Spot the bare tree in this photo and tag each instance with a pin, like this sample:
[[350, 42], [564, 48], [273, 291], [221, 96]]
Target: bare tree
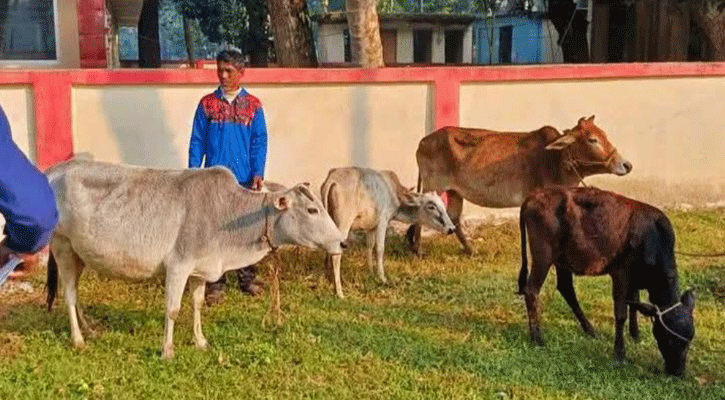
[[366, 46]]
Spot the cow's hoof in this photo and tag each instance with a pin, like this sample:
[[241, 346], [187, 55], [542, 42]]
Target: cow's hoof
[[537, 340], [167, 352], [79, 344], [202, 345], [589, 331]]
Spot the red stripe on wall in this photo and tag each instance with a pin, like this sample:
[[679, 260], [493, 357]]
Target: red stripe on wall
[[53, 124]]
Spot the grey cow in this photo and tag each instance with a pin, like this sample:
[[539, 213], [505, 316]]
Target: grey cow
[[367, 200], [136, 223]]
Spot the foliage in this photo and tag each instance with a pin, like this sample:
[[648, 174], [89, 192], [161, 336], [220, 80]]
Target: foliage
[[447, 326], [241, 23]]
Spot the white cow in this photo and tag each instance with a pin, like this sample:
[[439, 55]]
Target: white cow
[[136, 223], [367, 200]]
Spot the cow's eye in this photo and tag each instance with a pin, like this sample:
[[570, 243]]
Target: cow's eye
[[431, 207], [593, 140], [312, 210]]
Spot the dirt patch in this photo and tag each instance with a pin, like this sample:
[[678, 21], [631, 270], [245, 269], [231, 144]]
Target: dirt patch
[[11, 344]]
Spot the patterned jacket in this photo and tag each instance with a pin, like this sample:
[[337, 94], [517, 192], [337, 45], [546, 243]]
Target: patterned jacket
[[232, 135]]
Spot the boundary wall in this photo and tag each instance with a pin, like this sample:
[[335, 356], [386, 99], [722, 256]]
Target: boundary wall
[[666, 118]]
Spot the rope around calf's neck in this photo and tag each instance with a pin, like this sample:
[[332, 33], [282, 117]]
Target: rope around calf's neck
[[659, 315]]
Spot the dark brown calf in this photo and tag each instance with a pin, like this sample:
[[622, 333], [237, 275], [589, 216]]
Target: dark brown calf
[[587, 231]]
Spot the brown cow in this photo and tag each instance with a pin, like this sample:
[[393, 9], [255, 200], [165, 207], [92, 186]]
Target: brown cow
[[587, 231], [499, 169]]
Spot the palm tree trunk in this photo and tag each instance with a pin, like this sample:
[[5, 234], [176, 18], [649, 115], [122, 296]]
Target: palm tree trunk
[[365, 44]]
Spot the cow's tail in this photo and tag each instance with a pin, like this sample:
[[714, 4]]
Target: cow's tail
[[524, 272], [52, 281]]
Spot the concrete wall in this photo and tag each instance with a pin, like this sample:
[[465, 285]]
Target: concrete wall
[[311, 128], [669, 128], [17, 102], [665, 118]]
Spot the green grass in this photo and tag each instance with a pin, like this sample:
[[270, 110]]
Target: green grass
[[447, 326]]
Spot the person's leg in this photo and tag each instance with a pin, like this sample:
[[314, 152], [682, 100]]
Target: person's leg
[[246, 279], [215, 291]]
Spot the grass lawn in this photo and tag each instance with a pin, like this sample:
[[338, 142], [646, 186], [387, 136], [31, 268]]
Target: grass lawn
[[446, 326]]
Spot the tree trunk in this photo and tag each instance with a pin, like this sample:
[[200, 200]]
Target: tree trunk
[[149, 51], [292, 33], [712, 21], [571, 25], [189, 41], [258, 37], [365, 44]]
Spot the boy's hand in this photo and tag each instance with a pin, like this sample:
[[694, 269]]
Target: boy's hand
[[257, 183]]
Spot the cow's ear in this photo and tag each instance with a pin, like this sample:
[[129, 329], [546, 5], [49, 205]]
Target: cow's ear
[[281, 203], [409, 199], [562, 142], [643, 308], [591, 119]]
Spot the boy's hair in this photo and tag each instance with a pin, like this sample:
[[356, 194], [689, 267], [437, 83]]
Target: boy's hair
[[231, 56]]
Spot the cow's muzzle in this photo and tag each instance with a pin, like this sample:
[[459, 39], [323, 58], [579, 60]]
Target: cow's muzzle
[[620, 166]]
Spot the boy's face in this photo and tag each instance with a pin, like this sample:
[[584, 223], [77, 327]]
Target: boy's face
[[230, 78]]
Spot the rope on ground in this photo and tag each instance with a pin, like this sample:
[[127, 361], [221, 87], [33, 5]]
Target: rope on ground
[[274, 317]]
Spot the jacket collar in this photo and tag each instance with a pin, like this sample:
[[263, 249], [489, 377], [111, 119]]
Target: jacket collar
[[220, 93]]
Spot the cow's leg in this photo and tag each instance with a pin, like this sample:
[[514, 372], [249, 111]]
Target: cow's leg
[[541, 260], [70, 268], [380, 250], [633, 323], [455, 209], [619, 288], [336, 261], [197, 286], [413, 235], [565, 285], [175, 282], [370, 246]]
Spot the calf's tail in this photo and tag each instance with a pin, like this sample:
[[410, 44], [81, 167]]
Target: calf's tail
[[523, 274], [52, 281]]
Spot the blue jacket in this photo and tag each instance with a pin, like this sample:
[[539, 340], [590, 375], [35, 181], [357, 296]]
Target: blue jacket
[[26, 200], [233, 135]]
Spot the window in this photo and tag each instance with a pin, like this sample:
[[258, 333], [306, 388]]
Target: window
[[422, 45], [505, 36], [27, 30]]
